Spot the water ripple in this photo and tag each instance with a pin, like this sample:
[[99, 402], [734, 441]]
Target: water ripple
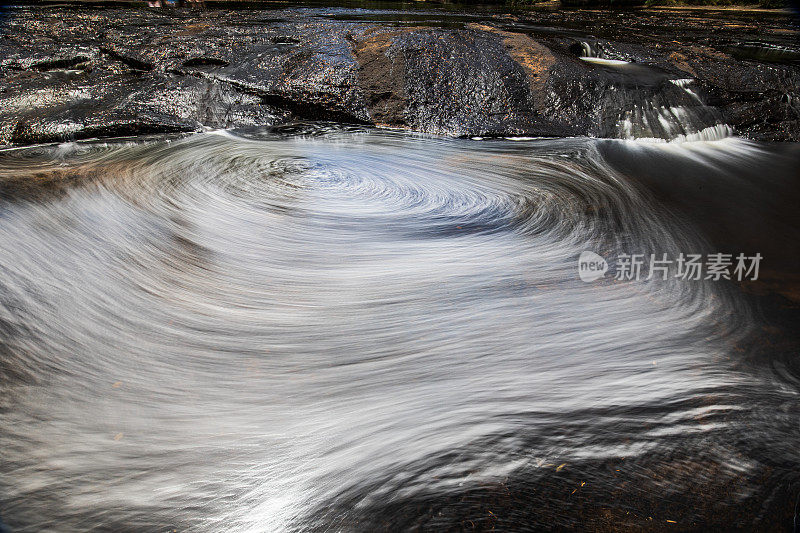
[[334, 328]]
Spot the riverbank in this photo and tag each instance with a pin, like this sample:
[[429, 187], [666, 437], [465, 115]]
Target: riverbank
[[73, 73]]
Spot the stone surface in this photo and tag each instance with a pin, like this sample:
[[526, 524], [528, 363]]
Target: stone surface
[[72, 73]]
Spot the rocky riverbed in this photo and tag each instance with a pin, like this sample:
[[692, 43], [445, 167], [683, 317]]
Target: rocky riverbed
[[74, 73]]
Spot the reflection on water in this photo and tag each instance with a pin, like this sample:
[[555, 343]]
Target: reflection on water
[[355, 330]]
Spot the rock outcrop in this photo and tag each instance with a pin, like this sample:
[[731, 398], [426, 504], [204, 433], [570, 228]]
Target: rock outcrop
[[72, 73]]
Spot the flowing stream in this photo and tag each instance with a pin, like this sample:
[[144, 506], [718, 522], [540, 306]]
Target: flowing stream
[[325, 328]]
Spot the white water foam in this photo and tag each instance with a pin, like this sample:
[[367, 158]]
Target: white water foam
[[717, 132], [603, 61]]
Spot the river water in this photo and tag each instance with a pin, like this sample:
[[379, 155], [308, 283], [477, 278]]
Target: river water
[[321, 328]]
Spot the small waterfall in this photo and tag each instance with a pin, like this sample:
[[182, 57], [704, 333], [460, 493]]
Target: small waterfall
[[676, 113], [584, 49], [644, 102]]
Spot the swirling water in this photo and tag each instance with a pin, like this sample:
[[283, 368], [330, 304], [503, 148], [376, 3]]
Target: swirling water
[[353, 330]]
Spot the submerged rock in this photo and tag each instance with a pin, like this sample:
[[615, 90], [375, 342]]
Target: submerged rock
[[70, 73]]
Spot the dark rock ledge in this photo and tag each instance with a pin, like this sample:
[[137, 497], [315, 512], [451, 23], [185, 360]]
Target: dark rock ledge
[[81, 73]]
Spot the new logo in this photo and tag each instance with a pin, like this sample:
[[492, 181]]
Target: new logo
[[591, 266]]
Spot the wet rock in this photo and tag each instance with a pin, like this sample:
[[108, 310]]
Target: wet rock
[[128, 60], [312, 74], [103, 104], [458, 82], [473, 81], [77, 73], [205, 62], [96, 104], [773, 116]]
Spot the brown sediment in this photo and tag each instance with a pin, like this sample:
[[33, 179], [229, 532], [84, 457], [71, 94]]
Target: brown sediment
[[739, 9], [682, 62], [533, 57], [193, 29], [45, 183], [381, 77], [784, 31]]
